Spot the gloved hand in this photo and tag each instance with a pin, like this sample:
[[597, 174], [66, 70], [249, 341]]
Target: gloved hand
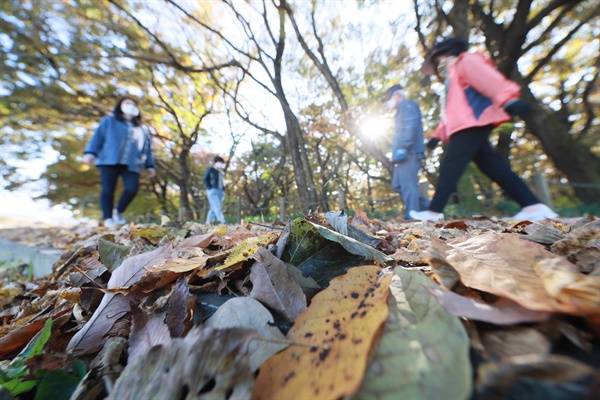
[[399, 155], [517, 108], [151, 172], [89, 158], [431, 144]]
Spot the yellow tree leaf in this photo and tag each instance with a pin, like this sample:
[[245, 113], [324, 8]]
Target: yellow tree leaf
[[342, 322], [248, 247]]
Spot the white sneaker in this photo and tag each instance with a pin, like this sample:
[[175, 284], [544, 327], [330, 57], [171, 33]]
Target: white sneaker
[[118, 218], [542, 212], [425, 215], [109, 223]]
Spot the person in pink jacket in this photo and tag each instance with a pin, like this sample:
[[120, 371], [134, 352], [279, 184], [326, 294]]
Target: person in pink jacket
[[477, 98]]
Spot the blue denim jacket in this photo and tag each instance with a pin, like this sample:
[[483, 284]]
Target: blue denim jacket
[[110, 138], [408, 133]]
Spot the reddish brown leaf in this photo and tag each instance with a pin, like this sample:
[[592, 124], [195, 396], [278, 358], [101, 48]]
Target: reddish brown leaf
[[196, 241], [19, 337], [180, 309], [273, 286]]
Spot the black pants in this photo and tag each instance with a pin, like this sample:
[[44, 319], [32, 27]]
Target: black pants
[[109, 174], [473, 145]]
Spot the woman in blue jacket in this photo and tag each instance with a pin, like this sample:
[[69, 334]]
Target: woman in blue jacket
[[120, 147]]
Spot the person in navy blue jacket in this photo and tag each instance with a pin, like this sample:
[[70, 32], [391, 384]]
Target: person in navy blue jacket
[[407, 149], [120, 147], [215, 189]]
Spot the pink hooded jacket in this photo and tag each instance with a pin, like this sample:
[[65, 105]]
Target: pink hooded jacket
[[475, 96]]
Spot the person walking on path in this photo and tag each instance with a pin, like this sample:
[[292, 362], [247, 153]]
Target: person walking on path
[[407, 149], [120, 147], [476, 99], [215, 189]]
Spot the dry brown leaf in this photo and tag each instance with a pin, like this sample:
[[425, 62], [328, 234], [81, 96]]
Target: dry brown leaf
[[146, 332], [538, 233], [113, 306], [273, 286], [244, 312], [207, 364], [19, 337], [520, 341], [180, 309], [582, 246], [342, 324], [506, 265], [570, 287], [196, 241], [501, 313], [552, 377]]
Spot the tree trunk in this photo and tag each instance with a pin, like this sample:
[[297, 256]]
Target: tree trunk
[[302, 170], [573, 158], [184, 188]]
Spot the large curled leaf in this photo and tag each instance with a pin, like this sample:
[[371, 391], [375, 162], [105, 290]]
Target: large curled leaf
[[525, 272], [337, 332], [114, 305], [352, 245], [315, 256], [244, 312], [423, 352], [207, 364]]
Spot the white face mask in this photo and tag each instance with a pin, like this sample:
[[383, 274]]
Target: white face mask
[[130, 109], [391, 104], [219, 165]]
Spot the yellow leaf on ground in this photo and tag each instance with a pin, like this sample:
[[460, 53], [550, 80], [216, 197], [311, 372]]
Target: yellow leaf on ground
[[342, 322], [248, 247], [220, 230]]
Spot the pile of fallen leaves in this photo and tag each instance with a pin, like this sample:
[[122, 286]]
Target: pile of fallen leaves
[[324, 307]]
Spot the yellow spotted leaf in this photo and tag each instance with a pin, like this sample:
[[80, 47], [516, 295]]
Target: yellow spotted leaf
[[342, 322], [246, 248]]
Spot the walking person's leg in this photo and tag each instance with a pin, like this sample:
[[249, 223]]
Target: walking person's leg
[[406, 182], [460, 151], [108, 181], [213, 201], [131, 185], [498, 170], [219, 211]]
